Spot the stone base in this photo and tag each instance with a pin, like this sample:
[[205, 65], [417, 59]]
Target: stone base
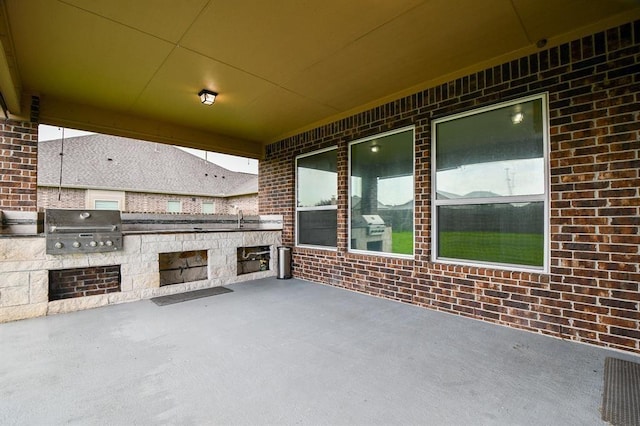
[[24, 269]]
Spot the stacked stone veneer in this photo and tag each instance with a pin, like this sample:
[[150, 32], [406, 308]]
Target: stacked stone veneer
[[80, 282], [591, 292], [24, 269]]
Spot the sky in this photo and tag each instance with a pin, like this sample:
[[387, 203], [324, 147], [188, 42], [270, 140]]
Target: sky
[[230, 162], [320, 185], [509, 177]]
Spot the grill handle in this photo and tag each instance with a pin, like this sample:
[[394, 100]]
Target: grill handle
[[56, 228]]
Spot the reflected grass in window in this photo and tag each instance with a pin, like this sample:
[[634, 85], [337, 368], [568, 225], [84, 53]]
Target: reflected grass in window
[[402, 242], [495, 247]]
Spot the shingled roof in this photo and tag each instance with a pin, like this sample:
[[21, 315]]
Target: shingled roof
[[122, 164]]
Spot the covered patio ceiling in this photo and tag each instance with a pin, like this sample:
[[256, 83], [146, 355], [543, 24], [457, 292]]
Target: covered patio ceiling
[[134, 68]]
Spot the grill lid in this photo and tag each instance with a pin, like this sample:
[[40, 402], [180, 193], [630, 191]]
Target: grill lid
[[82, 231], [73, 221]]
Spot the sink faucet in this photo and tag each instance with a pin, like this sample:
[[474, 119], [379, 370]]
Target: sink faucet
[[240, 219]]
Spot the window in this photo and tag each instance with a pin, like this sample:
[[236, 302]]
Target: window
[[490, 179], [381, 192], [105, 200], [316, 199], [106, 205], [174, 207], [207, 208]]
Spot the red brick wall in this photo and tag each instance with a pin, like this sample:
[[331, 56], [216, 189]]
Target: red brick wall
[[591, 293], [18, 165], [69, 283]]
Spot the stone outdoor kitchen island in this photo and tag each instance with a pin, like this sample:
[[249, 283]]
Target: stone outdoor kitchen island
[[27, 272]]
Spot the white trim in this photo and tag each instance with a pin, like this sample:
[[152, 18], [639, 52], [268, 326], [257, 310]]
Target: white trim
[[313, 209], [490, 265], [545, 197], [490, 200], [412, 128], [383, 254], [310, 246], [320, 151]]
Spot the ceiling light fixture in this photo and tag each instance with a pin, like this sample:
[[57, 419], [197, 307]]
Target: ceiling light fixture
[[517, 118], [207, 97]]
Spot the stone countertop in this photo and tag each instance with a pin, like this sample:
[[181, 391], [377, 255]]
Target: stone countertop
[[157, 231], [193, 230]]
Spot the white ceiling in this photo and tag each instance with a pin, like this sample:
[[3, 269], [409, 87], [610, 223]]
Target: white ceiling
[[134, 68]]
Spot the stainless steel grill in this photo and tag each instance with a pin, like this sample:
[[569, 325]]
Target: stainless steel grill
[[374, 224], [82, 231]]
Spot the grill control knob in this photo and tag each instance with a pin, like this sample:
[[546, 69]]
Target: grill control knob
[[76, 244], [58, 245], [109, 243], [93, 244]]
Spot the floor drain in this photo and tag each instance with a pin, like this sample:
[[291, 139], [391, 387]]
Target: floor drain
[[621, 395], [189, 295]]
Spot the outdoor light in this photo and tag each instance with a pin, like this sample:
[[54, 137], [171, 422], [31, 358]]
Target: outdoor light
[[517, 118], [375, 148], [207, 97]]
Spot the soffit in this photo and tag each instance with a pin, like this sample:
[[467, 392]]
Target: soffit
[[133, 68]]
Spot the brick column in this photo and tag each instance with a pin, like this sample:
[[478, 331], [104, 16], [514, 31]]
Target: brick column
[[18, 164]]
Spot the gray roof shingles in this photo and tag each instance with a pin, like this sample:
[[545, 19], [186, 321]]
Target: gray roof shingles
[[116, 163]]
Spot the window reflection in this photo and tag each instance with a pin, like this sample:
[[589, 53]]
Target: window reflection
[[317, 180], [492, 154], [490, 185], [381, 194], [316, 199]]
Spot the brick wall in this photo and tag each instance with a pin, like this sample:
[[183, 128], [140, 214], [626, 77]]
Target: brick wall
[[247, 203], [591, 293], [70, 198], [70, 283], [139, 202], [157, 203], [18, 165]]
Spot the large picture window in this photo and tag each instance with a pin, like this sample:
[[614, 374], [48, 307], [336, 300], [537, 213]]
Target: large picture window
[[490, 179], [381, 194], [316, 199]]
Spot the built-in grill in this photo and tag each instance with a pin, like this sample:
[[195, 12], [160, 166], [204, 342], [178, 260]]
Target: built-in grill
[[82, 231], [374, 224]]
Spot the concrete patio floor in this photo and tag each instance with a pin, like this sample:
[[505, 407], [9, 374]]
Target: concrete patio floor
[[291, 352]]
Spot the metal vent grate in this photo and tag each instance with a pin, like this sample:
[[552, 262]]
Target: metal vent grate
[[190, 295], [621, 395]]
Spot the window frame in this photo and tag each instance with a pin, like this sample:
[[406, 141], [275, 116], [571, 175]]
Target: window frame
[[96, 201], [174, 201], [208, 203], [313, 208], [544, 198], [411, 256], [93, 195]]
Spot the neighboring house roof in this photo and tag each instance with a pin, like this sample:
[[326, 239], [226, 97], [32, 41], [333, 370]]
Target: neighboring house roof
[[122, 164]]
